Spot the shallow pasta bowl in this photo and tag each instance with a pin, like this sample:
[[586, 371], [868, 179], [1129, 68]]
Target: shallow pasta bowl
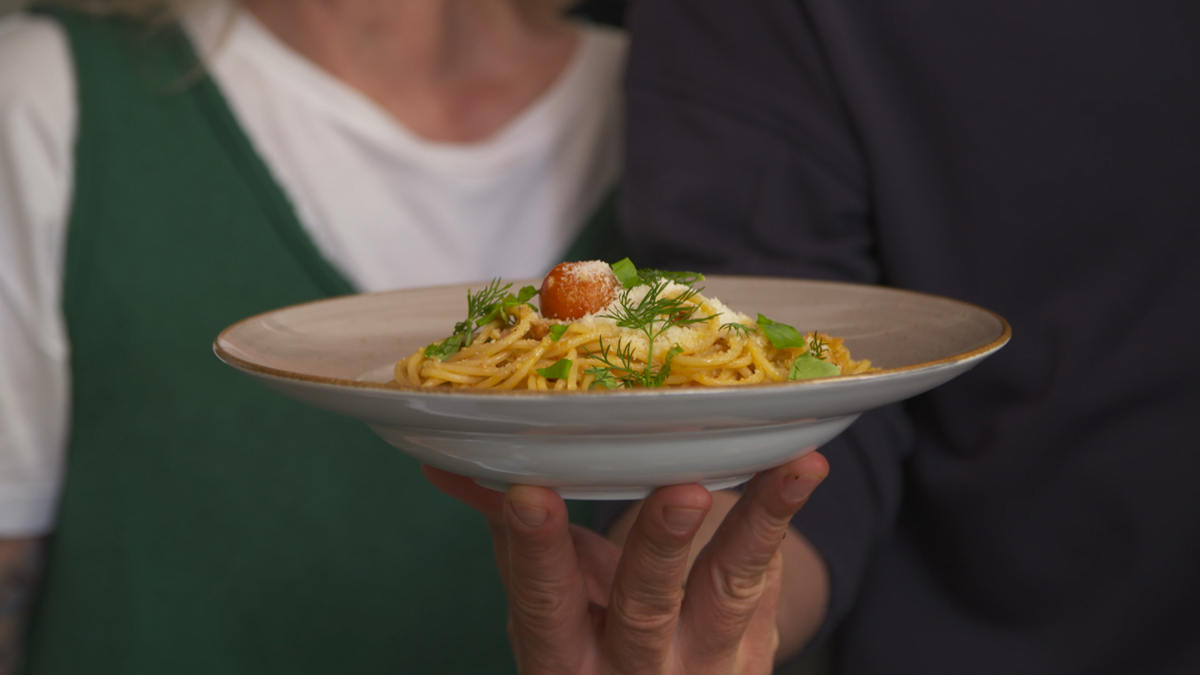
[[338, 355]]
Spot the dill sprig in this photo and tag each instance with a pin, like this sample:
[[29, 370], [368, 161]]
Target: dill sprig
[[737, 328], [814, 362], [624, 372], [652, 315], [818, 347], [484, 307]]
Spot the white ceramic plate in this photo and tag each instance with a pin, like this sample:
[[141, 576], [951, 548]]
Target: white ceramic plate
[[338, 355]]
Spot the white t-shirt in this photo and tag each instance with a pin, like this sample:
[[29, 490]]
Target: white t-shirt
[[388, 208]]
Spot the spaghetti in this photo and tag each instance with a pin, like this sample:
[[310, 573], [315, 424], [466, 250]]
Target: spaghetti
[[658, 330]]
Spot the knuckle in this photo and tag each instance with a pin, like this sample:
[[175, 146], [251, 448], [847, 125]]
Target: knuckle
[[539, 607], [740, 588], [644, 615], [768, 532], [665, 551]]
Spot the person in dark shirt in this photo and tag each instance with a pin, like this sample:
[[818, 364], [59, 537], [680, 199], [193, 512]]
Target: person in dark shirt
[[1040, 159]]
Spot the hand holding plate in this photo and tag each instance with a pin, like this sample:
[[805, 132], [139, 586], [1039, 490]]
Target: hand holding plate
[[579, 604]]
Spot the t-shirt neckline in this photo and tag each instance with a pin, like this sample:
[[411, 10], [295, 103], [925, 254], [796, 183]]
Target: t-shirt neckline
[[241, 34]]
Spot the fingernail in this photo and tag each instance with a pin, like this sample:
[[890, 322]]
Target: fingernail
[[528, 514], [797, 487], [680, 520]]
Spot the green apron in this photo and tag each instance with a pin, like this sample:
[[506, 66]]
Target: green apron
[[209, 525]]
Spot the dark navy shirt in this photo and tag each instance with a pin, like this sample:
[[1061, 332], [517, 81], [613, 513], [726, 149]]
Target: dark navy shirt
[[1040, 158]]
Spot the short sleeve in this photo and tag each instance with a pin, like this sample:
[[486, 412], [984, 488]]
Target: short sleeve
[[37, 129]]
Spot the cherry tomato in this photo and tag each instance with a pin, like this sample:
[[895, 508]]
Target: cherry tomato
[[573, 290]]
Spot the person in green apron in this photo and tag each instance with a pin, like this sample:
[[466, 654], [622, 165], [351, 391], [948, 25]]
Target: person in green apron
[[223, 162]]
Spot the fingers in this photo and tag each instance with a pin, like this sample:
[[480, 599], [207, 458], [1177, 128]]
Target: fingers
[[598, 558], [553, 571], [647, 592], [729, 578], [550, 624], [761, 639]]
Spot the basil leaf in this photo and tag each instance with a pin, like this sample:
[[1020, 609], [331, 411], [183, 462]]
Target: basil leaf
[[626, 272], [492, 314], [781, 335], [560, 369], [557, 331], [497, 309], [526, 294], [446, 348], [649, 276], [660, 377], [807, 367]]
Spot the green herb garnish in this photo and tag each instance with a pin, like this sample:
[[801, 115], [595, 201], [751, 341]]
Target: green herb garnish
[[807, 367], [649, 276], [623, 373], [781, 335], [737, 328], [817, 347], [558, 371], [652, 316], [626, 272], [557, 331], [500, 308], [446, 348], [483, 307], [655, 313], [629, 275], [604, 375], [612, 375]]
